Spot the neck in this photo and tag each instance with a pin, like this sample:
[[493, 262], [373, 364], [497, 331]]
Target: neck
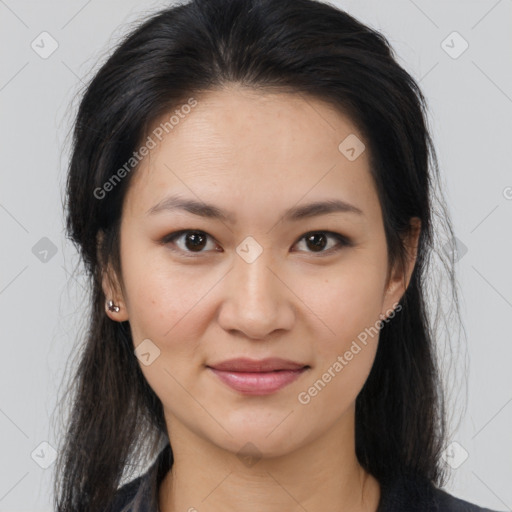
[[321, 475]]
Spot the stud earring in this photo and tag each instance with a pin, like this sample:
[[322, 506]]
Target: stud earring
[[112, 307]]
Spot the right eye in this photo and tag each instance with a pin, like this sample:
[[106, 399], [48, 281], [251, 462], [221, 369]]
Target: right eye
[[189, 241]]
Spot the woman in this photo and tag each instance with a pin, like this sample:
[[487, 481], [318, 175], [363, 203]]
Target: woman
[[251, 191]]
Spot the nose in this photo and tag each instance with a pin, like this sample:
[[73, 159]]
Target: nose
[[257, 300]]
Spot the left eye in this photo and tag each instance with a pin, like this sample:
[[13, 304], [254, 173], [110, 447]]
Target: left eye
[[317, 240], [194, 241]]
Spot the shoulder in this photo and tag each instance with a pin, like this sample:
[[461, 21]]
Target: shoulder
[[445, 501], [410, 494], [141, 494], [127, 497]]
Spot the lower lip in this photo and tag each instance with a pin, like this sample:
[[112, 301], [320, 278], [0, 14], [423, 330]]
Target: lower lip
[[261, 383]]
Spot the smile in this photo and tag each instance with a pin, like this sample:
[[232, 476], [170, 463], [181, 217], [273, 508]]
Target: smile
[[258, 383]]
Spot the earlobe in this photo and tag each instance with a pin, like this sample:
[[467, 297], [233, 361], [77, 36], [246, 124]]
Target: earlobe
[[115, 307], [115, 311], [396, 287], [401, 275], [412, 244]]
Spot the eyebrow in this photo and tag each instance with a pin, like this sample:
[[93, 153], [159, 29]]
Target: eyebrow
[[213, 212]]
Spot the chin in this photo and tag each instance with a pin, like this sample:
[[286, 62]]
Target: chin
[[260, 439]]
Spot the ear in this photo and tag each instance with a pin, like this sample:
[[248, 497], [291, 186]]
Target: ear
[[399, 277], [111, 287]]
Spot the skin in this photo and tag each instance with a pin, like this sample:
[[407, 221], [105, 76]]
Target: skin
[[256, 155]]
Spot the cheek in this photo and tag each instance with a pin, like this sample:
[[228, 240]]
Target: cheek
[[348, 306], [345, 303], [359, 296], [165, 308], [161, 301]]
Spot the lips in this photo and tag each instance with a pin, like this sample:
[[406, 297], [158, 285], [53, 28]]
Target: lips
[[253, 365], [257, 377]]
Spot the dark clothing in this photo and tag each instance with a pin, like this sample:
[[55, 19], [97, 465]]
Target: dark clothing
[[400, 495]]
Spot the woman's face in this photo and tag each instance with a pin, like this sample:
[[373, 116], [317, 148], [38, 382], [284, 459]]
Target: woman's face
[[270, 279]]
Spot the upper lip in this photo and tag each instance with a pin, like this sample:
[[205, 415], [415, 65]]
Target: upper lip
[[257, 365]]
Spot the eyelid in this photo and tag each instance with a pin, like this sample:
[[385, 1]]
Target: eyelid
[[177, 234], [342, 241]]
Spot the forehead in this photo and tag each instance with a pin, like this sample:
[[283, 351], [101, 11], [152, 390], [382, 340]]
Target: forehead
[[239, 146]]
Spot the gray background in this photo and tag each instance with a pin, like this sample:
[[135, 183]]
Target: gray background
[[42, 301]]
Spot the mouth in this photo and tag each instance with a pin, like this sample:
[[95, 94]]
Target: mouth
[[258, 377]]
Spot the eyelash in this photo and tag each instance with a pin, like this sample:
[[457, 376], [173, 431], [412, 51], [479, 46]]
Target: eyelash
[[342, 241]]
